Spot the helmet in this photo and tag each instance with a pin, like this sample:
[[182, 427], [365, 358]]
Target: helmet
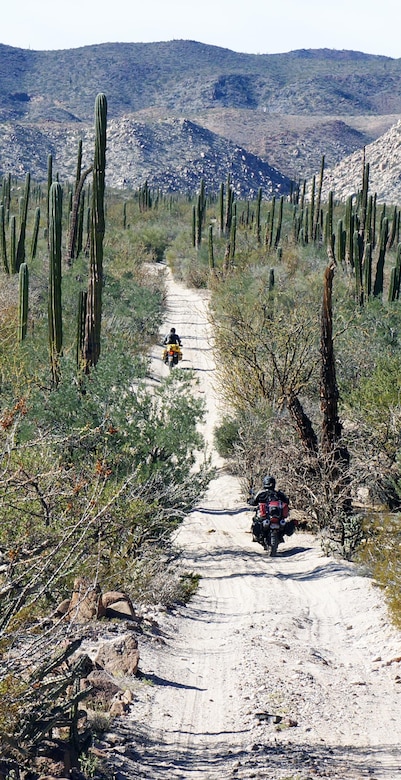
[[172, 330], [269, 482]]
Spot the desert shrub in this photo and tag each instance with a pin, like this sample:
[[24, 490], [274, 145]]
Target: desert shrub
[[380, 555], [96, 474], [226, 436]]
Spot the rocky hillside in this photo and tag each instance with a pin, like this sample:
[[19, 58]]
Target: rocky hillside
[[384, 158], [179, 110], [173, 155]]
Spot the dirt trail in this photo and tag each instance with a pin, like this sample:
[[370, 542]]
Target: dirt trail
[[278, 668]]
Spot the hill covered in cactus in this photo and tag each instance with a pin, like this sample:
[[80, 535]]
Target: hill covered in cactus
[[266, 111]]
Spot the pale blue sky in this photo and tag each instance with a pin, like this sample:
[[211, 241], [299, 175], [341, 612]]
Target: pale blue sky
[[258, 26]]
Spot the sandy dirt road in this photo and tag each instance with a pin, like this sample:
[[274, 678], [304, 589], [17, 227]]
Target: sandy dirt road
[[278, 668]]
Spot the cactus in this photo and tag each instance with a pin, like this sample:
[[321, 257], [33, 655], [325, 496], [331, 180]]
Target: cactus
[[72, 250], [305, 229], [358, 242], [193, 226], [341, 237], [233, 236], [258, 207], [394, 289], [13, 245], [364, 198], [379, 278], [210, 248], [315, 235], [54, 302], [279, 222], [94, 301], [303, 195], [269, 231], [398, 271], [368, 223], [3, 243], [6, 195], [144, 196], [329, 235], [35, 233], [221, 208], [229, 207], [393, 285], [349, 231], [49, 184], [23, 301], [80, 230], [79, 164], [20, 255], [199, 222], [271, 280], [82, 305], [311, 226], [367, 271], [393, 231]]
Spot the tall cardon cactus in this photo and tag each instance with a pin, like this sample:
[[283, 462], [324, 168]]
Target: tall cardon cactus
[[54, 302], [20, 256], [23, 301], [3, 243], [94, 301]]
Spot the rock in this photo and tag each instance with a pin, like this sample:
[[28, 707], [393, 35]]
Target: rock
[[120, 609], [104, 688], [86, 603], [127, 697], [63, 607], [119, 657], [112, 596], [118, 708]]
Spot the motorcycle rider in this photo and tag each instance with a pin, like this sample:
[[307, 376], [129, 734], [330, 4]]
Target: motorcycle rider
[[268, 493], [171, 338]]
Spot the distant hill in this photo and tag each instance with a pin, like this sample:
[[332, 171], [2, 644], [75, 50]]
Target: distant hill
[[173, 155], [286, 109], [384, 158], [186, 76]]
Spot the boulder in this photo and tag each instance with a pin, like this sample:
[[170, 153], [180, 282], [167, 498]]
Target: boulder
[[62, 608], [117, 708], [86, 601], [103, 687], [121, 609], [119, 657]]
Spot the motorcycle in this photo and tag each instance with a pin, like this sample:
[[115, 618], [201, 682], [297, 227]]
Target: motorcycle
[[172, 354], [267, 529]]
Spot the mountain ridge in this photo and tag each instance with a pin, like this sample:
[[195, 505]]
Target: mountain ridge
[[286, 109]]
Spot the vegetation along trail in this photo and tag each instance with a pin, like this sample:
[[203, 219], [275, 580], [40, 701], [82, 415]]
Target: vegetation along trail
[[281, 668]]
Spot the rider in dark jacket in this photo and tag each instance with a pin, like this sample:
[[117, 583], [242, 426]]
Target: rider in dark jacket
[[267, 493], [172, 338]]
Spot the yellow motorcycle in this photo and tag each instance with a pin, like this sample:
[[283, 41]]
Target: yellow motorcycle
[[172, 355]]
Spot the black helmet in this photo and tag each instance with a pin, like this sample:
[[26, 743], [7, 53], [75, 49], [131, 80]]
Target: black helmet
[[172, 330], [269, 483]]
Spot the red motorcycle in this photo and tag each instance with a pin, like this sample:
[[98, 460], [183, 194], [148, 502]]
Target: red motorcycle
[[269, 525]]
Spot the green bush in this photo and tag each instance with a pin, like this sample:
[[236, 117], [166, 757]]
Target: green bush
[[226, 436]]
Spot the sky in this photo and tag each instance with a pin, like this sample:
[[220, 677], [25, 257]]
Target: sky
[[251, 26]]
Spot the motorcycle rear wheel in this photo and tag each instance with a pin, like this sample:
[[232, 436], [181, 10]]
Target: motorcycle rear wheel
[[274, 541]]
